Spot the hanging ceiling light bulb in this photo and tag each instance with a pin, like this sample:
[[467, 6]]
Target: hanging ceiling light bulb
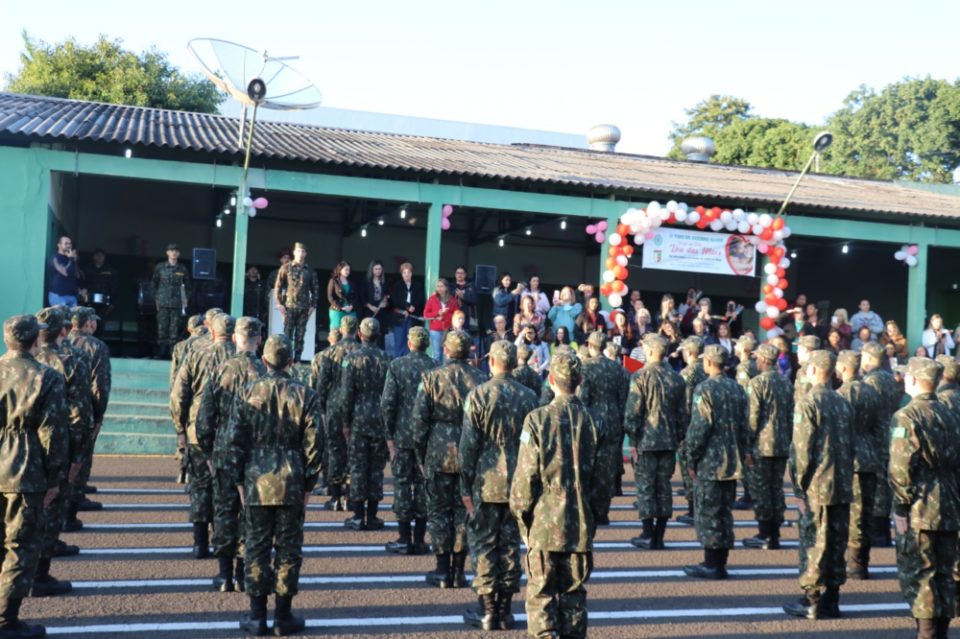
[[500, 242], [563, 224], [363, 231], [528, 231], [403, 213], [380, 221], [219, 222], [845, 249]]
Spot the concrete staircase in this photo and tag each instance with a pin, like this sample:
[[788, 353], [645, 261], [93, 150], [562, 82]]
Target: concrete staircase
[[138, 416]]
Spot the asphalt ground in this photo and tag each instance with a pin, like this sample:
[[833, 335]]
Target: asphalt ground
[[135, 577]]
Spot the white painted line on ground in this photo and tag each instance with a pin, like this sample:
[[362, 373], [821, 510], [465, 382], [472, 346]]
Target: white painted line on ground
[[137, 491], [442, 620]]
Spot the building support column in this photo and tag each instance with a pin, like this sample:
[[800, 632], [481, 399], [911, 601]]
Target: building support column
[[240, 229], [431, 263], [917, 297]]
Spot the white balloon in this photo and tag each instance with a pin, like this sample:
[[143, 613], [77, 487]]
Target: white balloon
[[716, 225], [681, 215], [786, 232], [778, 236], [608, 276], [615, 299], [757, 229], [765, 220], [772, 279], [738, 214], [682, 206], [752, 218], [623, 260], [743, 226], [773, 312], [760, 306], [638, 239], [655, 223], [731, 225], [247, 201], [911, 260], [693, 217], [784, 263], [726, 216], [672, 206], [778, 292], [900, 255], [615, 239], [770, 268], [628, 217], [252, 212]]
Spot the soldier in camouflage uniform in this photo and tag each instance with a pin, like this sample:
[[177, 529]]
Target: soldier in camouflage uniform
[[891, 395], [81, 337], [185, 399], [524, 373], [218, 401], [493, 415], [556, 493], [948, 391], [438, 420], [33, 424], [396, 411], [924, 462], [806, 345], [769, 433], [333, 338], [653, 420], [821, 467], [868, 436], [326, 378], [604, 389], [196, 327], [692, 374], [274, 458], [363, 378], [171, 284], [715, 447], [297, 291], [746, 370]]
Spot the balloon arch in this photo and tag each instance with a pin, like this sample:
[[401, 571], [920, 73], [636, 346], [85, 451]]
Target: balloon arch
[[764, 231]]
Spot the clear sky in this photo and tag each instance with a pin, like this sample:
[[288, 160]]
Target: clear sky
[[556, 65]]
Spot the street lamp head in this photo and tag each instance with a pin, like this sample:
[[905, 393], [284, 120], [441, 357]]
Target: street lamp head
[[822, 141]]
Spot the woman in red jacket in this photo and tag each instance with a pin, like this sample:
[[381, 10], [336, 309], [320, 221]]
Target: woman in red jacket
[[439, 310]]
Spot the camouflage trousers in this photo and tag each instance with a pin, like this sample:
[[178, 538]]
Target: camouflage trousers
[[269, 528], [556, 597], [688, 484], [168, 325], [336, 450], [861, 512], [201, 485], [446, 514], [367, 458], [22, 537], [613, 451], [925, 560], [495, 544], [295, 327], [52, 520], [713, 513], [766, 487], [75, 490], [883, 496], [652, 472], [409, 498], [227, 537], [823, 543]]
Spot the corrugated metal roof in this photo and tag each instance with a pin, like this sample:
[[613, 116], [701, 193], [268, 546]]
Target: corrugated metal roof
[[55, 118]]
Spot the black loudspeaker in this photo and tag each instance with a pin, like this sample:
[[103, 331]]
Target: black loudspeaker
[[204, 263], [485, 278]]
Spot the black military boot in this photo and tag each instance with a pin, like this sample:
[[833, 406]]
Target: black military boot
[[334, 503], [459, 563], [745, 502], [645, 540], [255, 622], [762, 538], [441, 577], [504, 613], [659, 530], [70, 522], [943, 627], [223, 582], [808, 606], [284, 621], [830, 603], [239, 575], [618, 486], [402, 545], [88, 505], [201, 540], [687, 517], [62, 549], [89, 490], [45, 585], [713, 566], [603, 519], [11, 626], [356, 522], [484, 616], [858, 563], [420, 546], [880, 536], [373, 522]]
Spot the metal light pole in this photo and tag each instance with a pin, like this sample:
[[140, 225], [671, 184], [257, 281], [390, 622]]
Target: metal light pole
[[820, 144]]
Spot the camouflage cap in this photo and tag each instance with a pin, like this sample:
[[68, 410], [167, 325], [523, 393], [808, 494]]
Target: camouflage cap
[[523, 353], [83, 314], [873, 349], [613, 350], [583, 352], [504, 353], [248, 326], [565, 367], [692, 344], [922, 368], [419, 337], [849, 359], [299, 245], [369, 327], [52, 317], [278, 351], [195, 322], [716, 354], [348, 323], [22, 329], [597, 340], [747, 343], [211, 313], [223, 324], [823, 360], [951, 367], [768, 352], [457, 344], [809, 342], [655, 342]]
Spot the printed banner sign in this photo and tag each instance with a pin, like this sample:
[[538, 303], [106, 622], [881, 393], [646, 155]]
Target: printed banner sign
[[700, 252]]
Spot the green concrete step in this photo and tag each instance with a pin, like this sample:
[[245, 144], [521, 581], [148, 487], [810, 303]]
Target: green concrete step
[[146, 409], [155, 381], [125, 443], [139, 395], [139, 424], [139, 366]]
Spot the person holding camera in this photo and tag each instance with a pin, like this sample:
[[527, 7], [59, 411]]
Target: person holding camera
[[64, 275]]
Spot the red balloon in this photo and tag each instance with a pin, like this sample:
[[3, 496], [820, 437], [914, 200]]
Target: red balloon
[[767, 323], [777, 223], [628, 250], [771, 300], [605, 290], [782, 304], [623, 230], [702, 223], [716, 212], [700, 210], [672, 219], [620, 273], [767, 235], [767, 289], [782, 284], [615, 251], [781, 272], [777, 252], [618, 286]]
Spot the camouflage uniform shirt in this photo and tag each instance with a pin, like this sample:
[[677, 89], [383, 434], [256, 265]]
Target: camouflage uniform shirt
[[400, 395], [770, 421], [654, 416], [821, 458], [717, 438]]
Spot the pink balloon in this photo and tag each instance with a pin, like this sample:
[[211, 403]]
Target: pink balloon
[[602, 225], [763, 247], [260, 203], [913, 249], [591, 228], [600, 236], [447, 209], [445, 224], [649, 235]]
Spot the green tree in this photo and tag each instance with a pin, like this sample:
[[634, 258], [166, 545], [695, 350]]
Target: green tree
[[764, 143], [708, 118], [910, 130], [106, 72]]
